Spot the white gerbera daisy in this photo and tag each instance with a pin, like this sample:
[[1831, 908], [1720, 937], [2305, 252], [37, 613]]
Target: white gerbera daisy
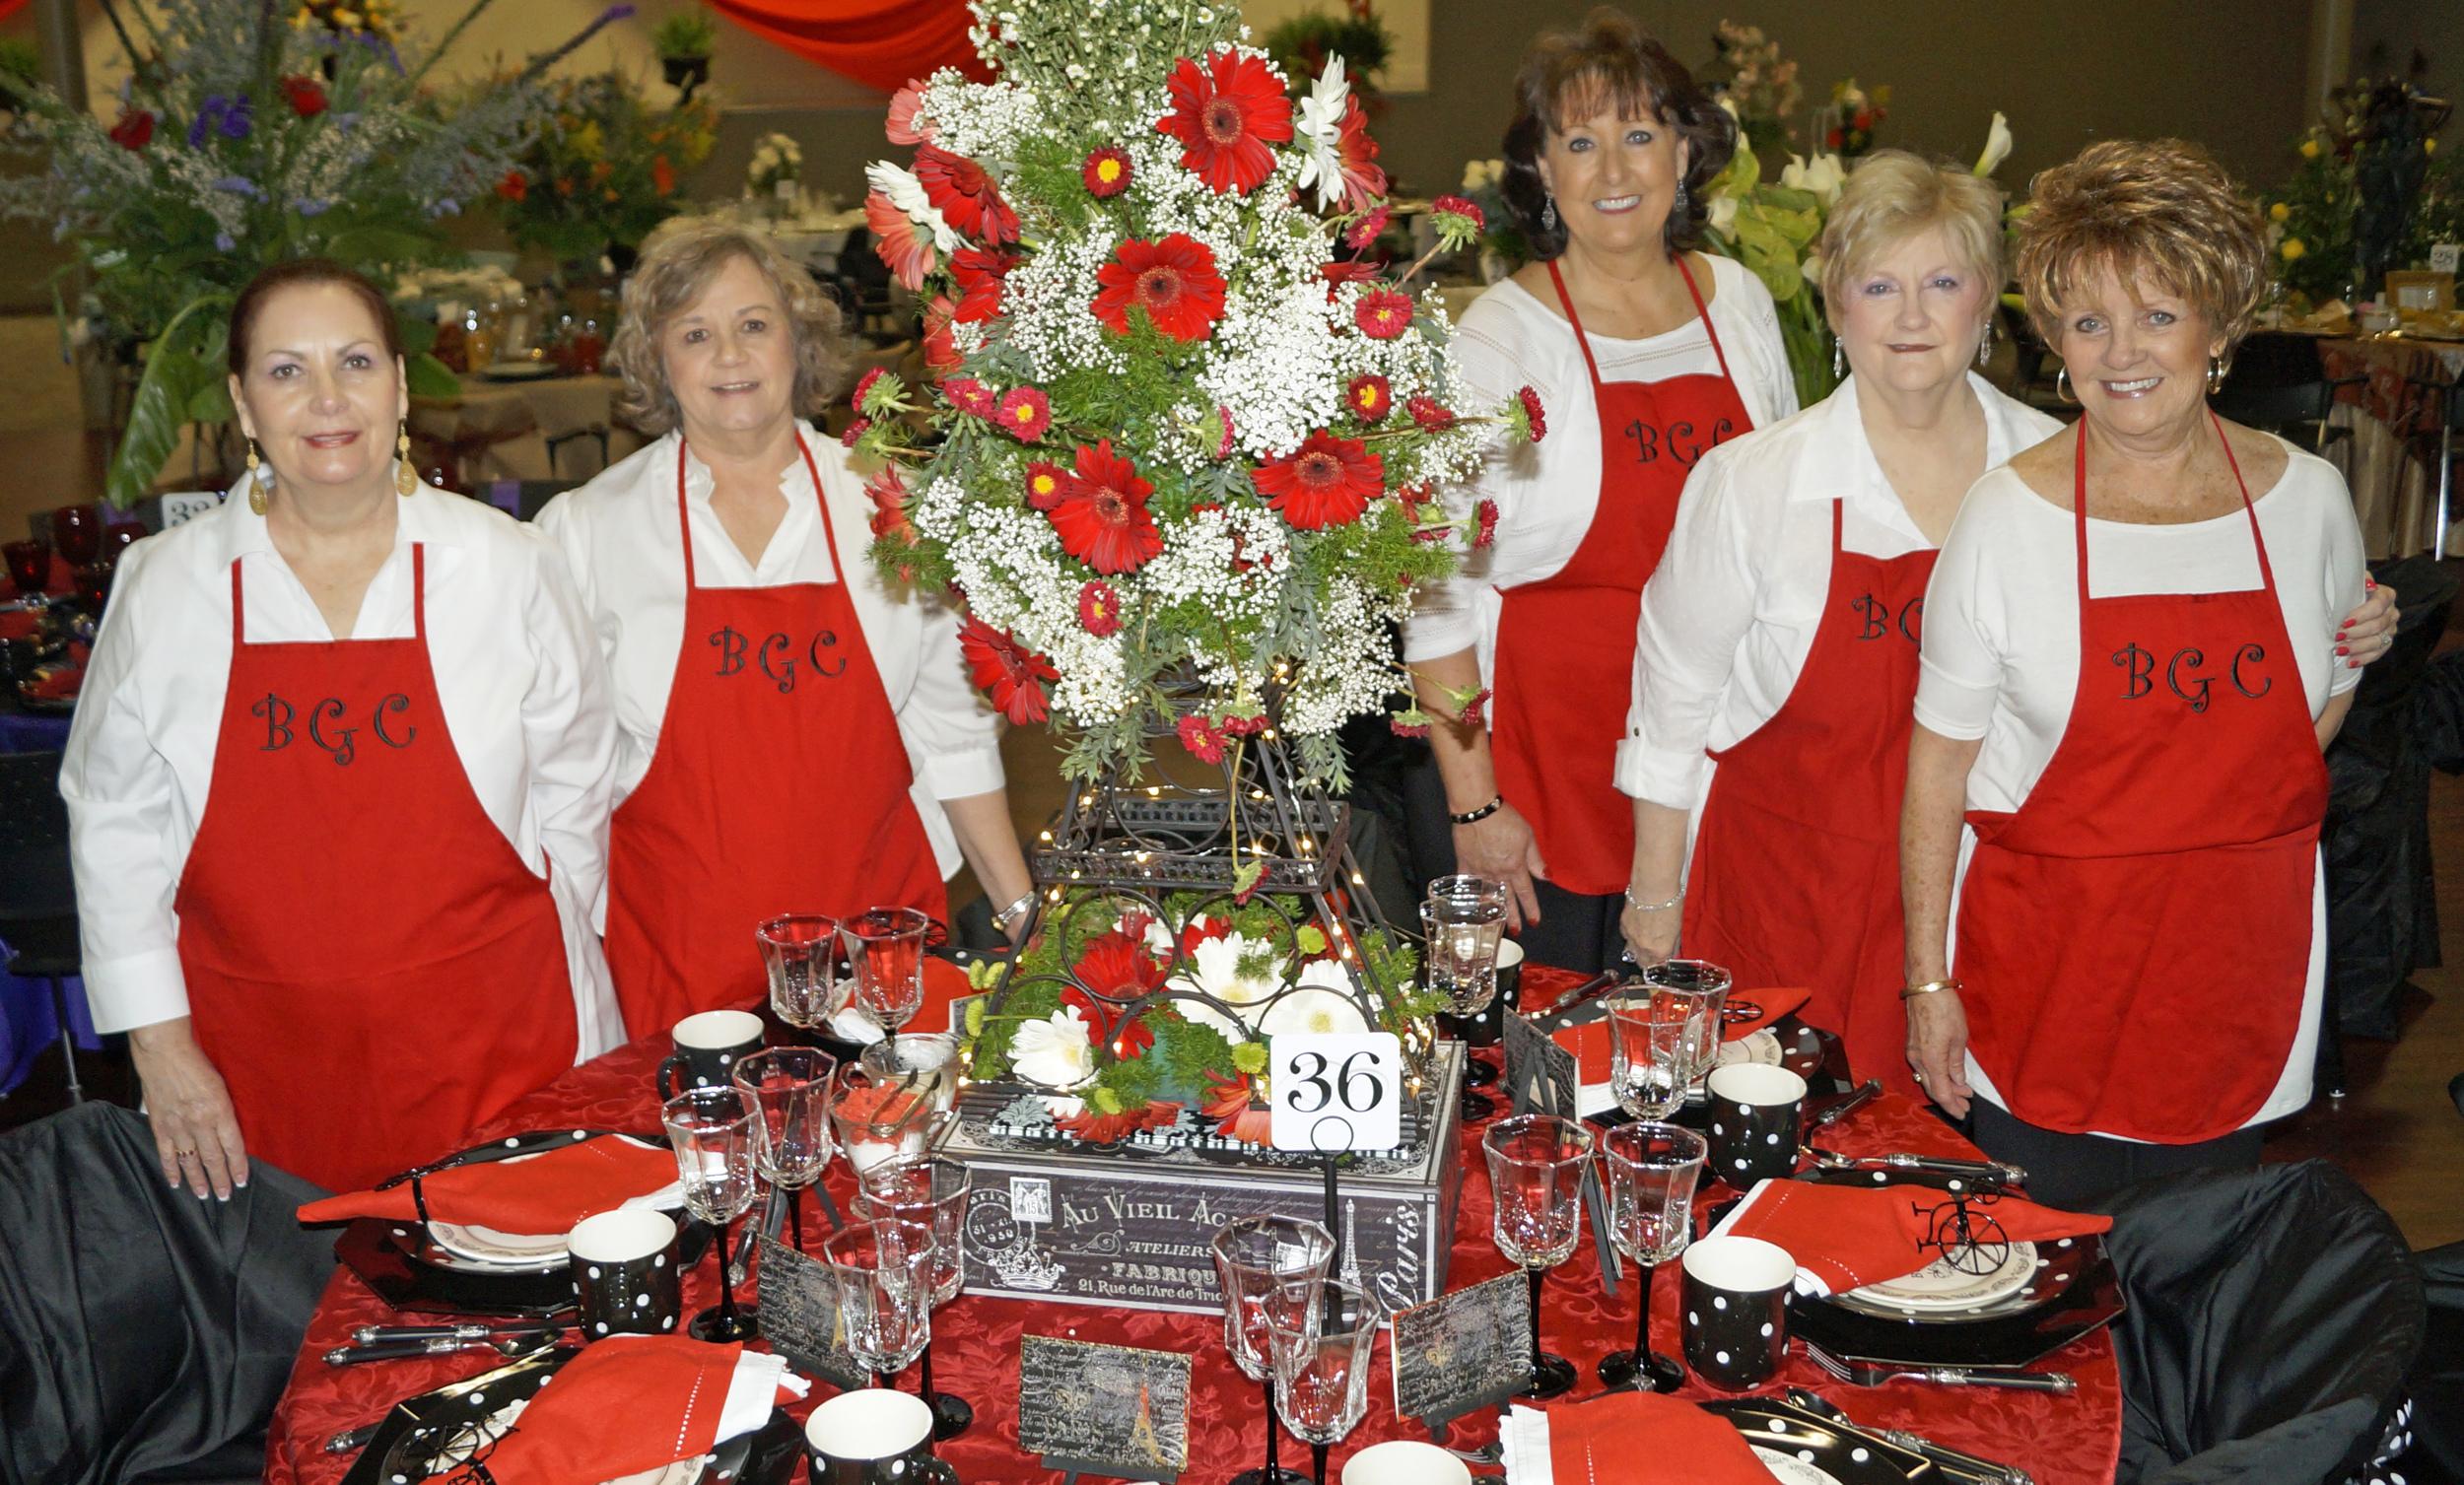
[[1318, 131], [1057, 1051]]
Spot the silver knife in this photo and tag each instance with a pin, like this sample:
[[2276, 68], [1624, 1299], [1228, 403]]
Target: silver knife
[[1964, 1463]]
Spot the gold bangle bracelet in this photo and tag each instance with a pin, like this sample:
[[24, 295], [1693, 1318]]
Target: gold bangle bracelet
[[1929, 987]]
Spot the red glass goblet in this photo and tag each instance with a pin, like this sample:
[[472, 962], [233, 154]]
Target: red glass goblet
[[77, 530], [118, 537], [30, 566], [93, 589]]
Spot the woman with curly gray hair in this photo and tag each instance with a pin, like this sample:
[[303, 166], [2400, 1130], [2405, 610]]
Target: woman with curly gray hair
[[793, 734]]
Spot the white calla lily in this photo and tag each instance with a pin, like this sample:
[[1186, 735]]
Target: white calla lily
[[1823, 176], [1997, 146], [907, 193], [1057, 1051]]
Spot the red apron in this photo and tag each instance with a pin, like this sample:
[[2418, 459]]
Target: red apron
[[2136, 939], [779, 785], [1565, 668], [371, 967], [1793, 885]]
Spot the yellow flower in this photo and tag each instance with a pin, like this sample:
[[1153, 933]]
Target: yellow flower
[[2279, 211], [2430, 147], [2310, 149], [2292, 250]]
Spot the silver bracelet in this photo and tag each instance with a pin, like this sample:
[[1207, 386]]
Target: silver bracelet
[[1014, 912], [1678, 900]]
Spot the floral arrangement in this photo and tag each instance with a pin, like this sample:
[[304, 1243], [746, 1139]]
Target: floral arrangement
[[1760, 89], [2310, 225], [604, 168], [1133, 1020], [777, 160], [1299, 46], [2367, 195], [692, 32], [1855, 114], [1185, 440], [248, 135]]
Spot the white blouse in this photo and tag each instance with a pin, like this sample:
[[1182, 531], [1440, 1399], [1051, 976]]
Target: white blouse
[[620, 533], [525, 699], [1546, 493], [2001, 647], [1731, 615]]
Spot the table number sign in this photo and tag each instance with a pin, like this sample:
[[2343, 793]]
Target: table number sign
[[1336, 1092], [1091, 1409], [1470, 1349], [1540, 1074], [800, 1316]]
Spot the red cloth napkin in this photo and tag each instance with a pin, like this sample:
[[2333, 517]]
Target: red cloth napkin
[[546, 1193], [1849, 1237], [1647, 1439], [626, 1404]]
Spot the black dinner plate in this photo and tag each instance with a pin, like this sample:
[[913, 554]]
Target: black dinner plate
[[1848, 1458]]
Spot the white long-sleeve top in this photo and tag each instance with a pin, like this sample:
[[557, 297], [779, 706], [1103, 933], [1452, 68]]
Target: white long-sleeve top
[[524, 692], [1546, 493], [620, 533], [2001, 647], [1731, 615]]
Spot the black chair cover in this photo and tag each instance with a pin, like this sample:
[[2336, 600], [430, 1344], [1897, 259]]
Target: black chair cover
[[145, 1335], [2436, 1382], [2272, 1316]]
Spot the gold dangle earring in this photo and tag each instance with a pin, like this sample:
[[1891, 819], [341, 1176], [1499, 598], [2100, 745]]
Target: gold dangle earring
[[258, 479], [2216, 375], [2062, 386], [405, 478]]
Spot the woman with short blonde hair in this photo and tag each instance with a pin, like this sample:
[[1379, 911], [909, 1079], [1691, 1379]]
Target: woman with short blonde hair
[[794, 735], [2132, 662]]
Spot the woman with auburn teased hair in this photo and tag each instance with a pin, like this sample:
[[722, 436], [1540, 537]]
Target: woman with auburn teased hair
[[793, 734]]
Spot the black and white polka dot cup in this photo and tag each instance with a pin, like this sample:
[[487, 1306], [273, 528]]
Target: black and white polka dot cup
[[1753, 1124], [1736, 1310], [624, 1266], [708, 1045]]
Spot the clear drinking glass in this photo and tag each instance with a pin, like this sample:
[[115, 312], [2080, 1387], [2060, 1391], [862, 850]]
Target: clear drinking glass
[[801, 952], [1705, 987], [791, 1088], [711, 1131], [883, 1273], [1652, 1170], [887, 945], [931, 1191], [924, 1063], [1270, 1268], [1535, 1164], [878, 1115], [1322, 1378], [1651, 1051], [1461, 920]]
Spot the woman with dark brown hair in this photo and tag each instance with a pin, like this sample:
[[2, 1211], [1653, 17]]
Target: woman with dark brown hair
[[338, 786], [1646, 354]]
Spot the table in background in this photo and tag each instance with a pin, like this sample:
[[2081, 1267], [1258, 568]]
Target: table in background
[[546, 429], [2061, 1441], [2388, 410]]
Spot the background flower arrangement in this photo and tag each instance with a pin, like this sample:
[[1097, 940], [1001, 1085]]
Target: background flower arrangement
[[603, 168], [2369, 194]]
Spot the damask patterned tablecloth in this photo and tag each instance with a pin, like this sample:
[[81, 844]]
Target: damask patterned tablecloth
[[2061, 1441], [2394, 404]]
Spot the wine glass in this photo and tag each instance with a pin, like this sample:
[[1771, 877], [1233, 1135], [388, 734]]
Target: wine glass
[[883, 1275], [29, 567], [1652, 1171], [1462, 920], [877, 1115], [931, 1192], [800, 950], [1651, 1050], [1535, 1164], [1704, 986], [77, 532], [1322, 1378], [791, 1088], [712, 1129], [887, 945], [1270, 1268]]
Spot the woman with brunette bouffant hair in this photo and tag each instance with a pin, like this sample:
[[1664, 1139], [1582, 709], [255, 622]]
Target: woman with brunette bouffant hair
[[1646, 354], [338, 784]]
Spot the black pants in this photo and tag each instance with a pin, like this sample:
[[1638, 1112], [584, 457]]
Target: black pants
[[1575, 931], [2065, 1169]]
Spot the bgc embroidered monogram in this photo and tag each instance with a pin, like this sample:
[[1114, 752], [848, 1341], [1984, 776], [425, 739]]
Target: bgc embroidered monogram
[[325, 724], [779, 657], [2184, 677]]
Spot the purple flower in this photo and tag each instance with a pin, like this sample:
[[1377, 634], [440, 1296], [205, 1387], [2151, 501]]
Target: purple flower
[[239, 185], [615, 13], [445, 207], [237, 118], [206, 117], [312, 205], [223, 242]]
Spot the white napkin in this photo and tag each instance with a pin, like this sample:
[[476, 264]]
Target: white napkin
[[1523, 1435]]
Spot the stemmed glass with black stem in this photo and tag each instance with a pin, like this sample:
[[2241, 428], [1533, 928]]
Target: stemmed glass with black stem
[[711, 1131], [801, 951], [1652, 1171], [1703, 986], [931, 1191], [790, 1090], [1270, 1268], [1462, 920], [1535, 1165], [1652, 1039], [1322, 1378], [883, 1275], [887, 946]]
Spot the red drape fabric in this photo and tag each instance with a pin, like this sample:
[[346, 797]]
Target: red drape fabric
[[10, 8], [879, 42]]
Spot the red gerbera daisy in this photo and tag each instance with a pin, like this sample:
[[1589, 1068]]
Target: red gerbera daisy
[[1364, 181], [888, 491], [1235, 1112], [940, 348], [1102, 516], [1112, 968], [1047, 483], [1107, 171], [1006, 670], [1173, 280], [1226, 115], [1107, 1128], [1099, 609], [964, 196], [1371, 398], [1382, 315], [1327, 482], [1024, 414], [894, 237], [981, 274]]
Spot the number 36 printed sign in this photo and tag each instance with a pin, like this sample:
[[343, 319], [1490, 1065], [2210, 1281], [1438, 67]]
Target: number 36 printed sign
[[1342, 1091]]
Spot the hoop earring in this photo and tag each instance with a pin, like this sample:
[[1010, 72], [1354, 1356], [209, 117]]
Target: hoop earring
[[1985, 344], [405, 478], [1548, 216], [1839, 361], [2062, 386], [2216, 375], [261, 478]]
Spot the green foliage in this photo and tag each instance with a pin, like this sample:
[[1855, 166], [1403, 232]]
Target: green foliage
[[686, 34], [20, 61], [1301, 46], [2310, 222], [604, 167], [1772, 232]]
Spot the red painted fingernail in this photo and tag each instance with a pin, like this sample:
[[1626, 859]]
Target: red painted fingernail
[[2343, 650], [2368, 583]]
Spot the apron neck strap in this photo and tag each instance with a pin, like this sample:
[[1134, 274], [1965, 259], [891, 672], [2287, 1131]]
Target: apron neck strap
[[684, 515], [418, 597], [1708, 328], [1700, 312], [1566, 301], [2079, 507]]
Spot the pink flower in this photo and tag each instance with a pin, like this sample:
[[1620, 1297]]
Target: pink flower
[[1024, 413], [1456, 206], [1397, 724], [1526, 417], [1099, 609], [1383, 315]]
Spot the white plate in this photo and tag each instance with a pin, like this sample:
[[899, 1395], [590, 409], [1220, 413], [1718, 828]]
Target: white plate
[[1939, 1287], [485, 1245], [1759, 1046], [1788, 1469]]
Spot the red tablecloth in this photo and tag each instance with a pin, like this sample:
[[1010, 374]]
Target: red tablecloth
[[2061, 1441]]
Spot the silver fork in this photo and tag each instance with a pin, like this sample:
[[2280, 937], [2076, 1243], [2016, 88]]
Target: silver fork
[[1865, 1376]]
